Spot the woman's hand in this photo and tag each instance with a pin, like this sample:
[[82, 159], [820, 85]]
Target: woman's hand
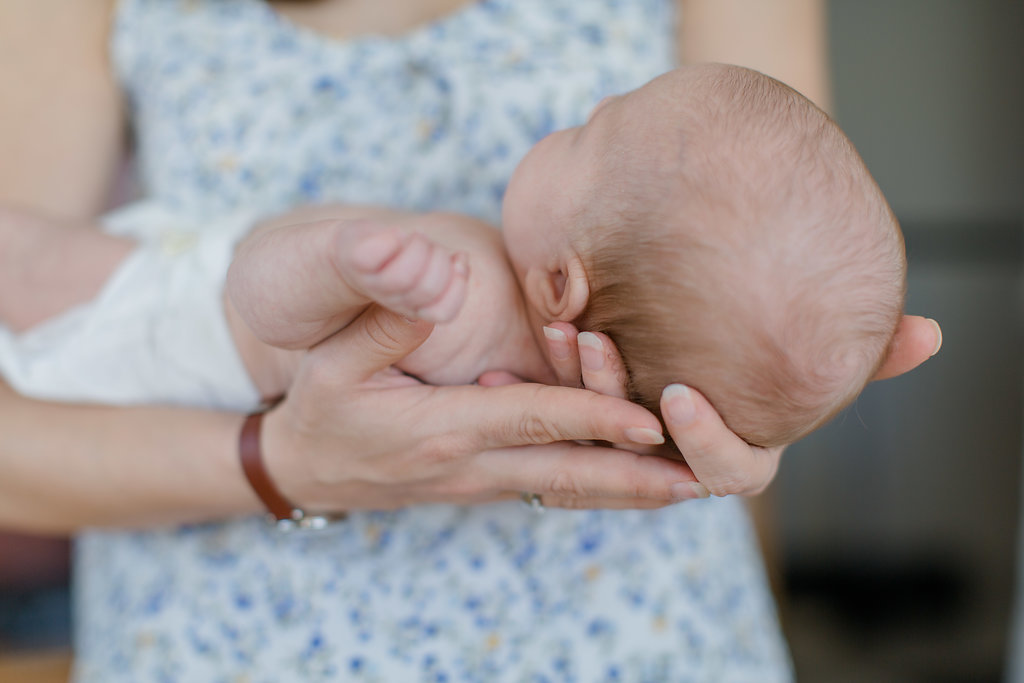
[[353, 434], [721, 461]]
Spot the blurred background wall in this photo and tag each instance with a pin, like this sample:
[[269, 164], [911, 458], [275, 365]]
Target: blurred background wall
[[898, 523]]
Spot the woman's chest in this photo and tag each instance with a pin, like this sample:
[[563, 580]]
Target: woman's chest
[[347, 19], [233, 105]]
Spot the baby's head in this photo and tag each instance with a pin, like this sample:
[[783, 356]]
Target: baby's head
[[725, 234]]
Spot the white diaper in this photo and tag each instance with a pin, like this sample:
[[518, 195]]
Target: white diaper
[[156, 332]]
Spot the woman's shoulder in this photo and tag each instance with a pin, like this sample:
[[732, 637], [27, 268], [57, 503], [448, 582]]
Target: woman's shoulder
[[32, 29], [56, 12], [63, 104]]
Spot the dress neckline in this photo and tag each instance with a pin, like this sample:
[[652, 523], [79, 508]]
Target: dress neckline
[[311, 36]]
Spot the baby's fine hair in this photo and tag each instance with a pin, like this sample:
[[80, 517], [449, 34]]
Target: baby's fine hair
[[734, 241]]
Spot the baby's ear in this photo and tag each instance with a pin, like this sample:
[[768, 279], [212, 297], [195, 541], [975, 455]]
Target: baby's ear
[[560, 294]]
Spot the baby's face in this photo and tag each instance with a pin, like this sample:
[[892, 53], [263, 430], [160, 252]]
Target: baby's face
[[490, 331]]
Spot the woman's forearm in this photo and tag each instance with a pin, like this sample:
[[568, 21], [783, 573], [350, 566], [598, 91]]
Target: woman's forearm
[[65, 466]]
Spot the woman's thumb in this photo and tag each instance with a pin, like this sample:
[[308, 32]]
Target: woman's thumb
[[373, 341]]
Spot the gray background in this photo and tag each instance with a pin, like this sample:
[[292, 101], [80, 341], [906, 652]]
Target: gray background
[[897, 523]]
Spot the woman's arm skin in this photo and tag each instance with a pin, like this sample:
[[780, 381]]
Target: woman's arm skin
[[786, 39], [69, 466]]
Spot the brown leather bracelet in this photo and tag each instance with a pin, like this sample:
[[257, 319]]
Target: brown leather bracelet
[[251, 455], [285, 515]]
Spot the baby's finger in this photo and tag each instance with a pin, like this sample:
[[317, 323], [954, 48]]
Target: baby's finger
[[564, 355], [403, 271], [602, 366], [722, 461], [370, 253], [433, 282], [446, 306]]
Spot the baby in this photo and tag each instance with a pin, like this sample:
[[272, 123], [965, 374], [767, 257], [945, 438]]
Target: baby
[[714, 223], [724, 232]]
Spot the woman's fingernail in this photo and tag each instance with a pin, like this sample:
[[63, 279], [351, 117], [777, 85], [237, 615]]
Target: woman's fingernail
[[678, 403], [591, 351], [558, 343], [938, 333], [688, 490], [644, 435]]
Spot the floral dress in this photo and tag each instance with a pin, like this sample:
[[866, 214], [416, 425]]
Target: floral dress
[[234, 108]]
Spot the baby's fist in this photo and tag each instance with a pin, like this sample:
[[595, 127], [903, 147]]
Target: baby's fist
[[409, 274]]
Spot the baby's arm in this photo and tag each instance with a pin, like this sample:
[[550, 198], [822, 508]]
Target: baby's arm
[[295, 285], [48, 266], [313, 278]]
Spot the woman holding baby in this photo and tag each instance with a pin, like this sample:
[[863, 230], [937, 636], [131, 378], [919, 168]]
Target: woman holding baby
[[439, 574]]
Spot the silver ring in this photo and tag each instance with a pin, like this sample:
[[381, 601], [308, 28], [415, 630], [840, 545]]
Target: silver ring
[[532, 501]]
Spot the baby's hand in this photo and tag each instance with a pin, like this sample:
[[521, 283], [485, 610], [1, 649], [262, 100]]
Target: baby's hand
[[409, 274]]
